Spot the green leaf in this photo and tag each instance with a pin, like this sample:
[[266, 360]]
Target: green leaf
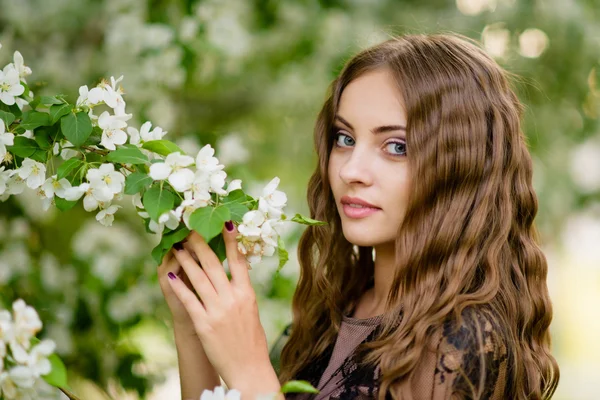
[[208, 221], [237, 195], [64, 205], [217, 244], [167, 242], [175, 236], [301, 219], [34, 119], [58, 111], [158, 253], [40, 156], [237, 204], [7, 117], [127, 155], [298, 387], [237, 211], [137, 181], [26, 91], [95, 137], [50, 100], [68, 166], [42, 139], [14, 109], [282, 253], [24, 147], [162, 147], [76, 127], [157, 200], [58, 374]]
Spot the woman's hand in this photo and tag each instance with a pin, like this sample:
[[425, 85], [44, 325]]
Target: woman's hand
[[181, 317], [226, 315]]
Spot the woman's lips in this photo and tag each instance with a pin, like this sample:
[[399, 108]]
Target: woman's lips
[[358, 212]]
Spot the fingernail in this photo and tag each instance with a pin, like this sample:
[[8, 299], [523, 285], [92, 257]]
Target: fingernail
[[171, 276], [229, 226], [178, 246]]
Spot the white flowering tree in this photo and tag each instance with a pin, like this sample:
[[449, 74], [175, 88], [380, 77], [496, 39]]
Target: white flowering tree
[[25, 361], [65, 152]]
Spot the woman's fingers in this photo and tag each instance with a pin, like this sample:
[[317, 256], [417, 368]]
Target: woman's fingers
[[210, 263], [238, 266], [169, 264], [197, 277], [194, 308]]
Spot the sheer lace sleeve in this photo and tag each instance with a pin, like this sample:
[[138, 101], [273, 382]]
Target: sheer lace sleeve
[[470, 362]]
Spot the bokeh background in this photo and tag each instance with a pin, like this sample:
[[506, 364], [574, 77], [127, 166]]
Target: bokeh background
[[248, 77]]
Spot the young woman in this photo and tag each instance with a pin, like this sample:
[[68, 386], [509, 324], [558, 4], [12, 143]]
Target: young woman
[[428, 281]]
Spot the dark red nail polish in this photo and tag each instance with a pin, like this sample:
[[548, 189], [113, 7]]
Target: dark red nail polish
[[171, 276], [178, 246], [229, 226]]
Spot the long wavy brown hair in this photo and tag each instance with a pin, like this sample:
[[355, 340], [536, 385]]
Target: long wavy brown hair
[[468, 237]]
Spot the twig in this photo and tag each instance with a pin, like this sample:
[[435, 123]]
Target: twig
[[70, 395], [93, 150]]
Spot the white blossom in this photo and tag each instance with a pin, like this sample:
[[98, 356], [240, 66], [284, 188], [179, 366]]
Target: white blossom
[[205, 160], [16, 184], [89, 98], [169, 219], [95, 195], [114, 99], [234, 185], [112, 129], [38, 357], [26, 323], [219, 394], [106, 175], [174, 169], [272, 200], [33, 172], [58, 186], [14, 381], [250, 226], [4, 179], [22, 69], [136, 200], [268, 233], [107, 216], [154, 226], [209, 181], [51, 187], [7, 330], [145, 134], [6, 139], [96, 95], [10, 86], [188, 206]]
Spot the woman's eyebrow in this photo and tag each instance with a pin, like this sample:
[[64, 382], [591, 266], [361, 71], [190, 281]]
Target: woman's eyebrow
[[375, 131]]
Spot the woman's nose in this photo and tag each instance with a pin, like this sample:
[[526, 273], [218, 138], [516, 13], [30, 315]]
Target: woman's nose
[[357, 168]]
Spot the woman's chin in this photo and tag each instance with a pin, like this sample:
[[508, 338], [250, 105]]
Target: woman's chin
[[360, 237]]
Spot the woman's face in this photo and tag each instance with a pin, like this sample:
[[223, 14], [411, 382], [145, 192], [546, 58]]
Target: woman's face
[[368, 159]]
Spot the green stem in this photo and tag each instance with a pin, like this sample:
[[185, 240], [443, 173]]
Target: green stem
[[70, 395]]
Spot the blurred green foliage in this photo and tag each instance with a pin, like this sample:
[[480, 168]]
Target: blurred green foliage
[[204, 70]]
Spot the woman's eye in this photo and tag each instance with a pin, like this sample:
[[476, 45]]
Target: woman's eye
[[343, 140], [396, 148]]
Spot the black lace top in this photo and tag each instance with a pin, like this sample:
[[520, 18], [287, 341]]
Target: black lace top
[[458, 369]]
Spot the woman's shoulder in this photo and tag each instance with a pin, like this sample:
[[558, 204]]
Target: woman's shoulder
[[471, 354], [477, 332]]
